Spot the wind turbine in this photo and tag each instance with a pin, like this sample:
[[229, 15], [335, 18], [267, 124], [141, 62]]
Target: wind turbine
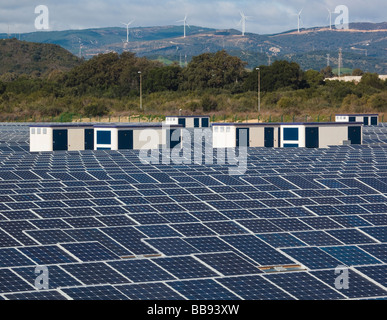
[[242, 22], [330, 19], [185, 24], [299, 19], [127, 29]]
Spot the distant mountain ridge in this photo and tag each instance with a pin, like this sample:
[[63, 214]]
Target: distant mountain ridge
[[364, 45]]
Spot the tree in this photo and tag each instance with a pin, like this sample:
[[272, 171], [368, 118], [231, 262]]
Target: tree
[[313, 78], [357, 72], [371, 80], [163, 79], [213, 70], [327, 72], [281, 74]]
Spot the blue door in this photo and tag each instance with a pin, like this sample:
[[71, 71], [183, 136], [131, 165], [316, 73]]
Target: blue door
[[243, 138], [311, 137], [354, 134], [89, 139], [182, 122], [196, 123], [172, 143], [60, 142], [125, 139], [269, 137], [205, 123], [365, 121], [374, 121]]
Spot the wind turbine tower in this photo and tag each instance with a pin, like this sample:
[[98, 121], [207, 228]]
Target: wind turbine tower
[[185, 25], [242, 22], [330, 19], [127, 29], [299, 20]]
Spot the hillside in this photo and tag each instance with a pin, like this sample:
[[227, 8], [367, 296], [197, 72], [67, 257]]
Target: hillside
[[35, 59], [364, 44]]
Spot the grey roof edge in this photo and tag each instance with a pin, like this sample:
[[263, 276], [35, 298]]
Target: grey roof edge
[[289, 124]]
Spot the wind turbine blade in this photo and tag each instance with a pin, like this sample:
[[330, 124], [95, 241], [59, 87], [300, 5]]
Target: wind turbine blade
[[301, 11]]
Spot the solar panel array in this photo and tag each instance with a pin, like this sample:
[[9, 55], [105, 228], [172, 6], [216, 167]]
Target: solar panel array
[[108, 226]]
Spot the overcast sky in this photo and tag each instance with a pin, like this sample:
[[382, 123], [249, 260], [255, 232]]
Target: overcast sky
[[265, 16]]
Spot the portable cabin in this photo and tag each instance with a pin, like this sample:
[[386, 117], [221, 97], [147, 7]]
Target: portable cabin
[[366, 119], [61, 137], [321, 134], [232, 135], [189, 121], [286, 135], [133, 136]]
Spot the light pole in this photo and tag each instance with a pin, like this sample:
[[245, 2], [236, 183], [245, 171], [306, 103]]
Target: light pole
[[259, 89], [140, 89]]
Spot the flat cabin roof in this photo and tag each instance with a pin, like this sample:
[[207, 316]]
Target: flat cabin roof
[[188, 117], [288, 124], [62, 125], [134, 125], [357, 114]]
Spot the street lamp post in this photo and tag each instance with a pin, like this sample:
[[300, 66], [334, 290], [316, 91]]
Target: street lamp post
[[140, 89], [259, 90]]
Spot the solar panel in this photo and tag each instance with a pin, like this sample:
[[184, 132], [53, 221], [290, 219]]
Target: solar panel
[[10, 282], [94, 273], [149, 291], [311, 288], [257, 250], [229, 264], [254, 288], [57, 277], [141, 270], [185, 267], [351, 236], [172, 246], [359, 287], [313, 258], [39, 295], [206, 289], [95, 293], [351, 255]]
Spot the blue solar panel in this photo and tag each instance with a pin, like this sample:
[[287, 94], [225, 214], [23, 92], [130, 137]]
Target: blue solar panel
[[185, 268], [351, 255], [358, 287], [141, 270], [379, 251], [311, 288], [317, 238], [351, 236], [10, 282], [56, 276], [313, 258], [94, 273], [378, 233], [45, 255], [376, 273], [39, 295], [172, 246], [206, 289], [257, 250], [254, 288], [95, 293], [91, 251], [149, 291]]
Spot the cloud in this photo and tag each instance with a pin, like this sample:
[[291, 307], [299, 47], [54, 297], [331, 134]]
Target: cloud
[[266, 16]]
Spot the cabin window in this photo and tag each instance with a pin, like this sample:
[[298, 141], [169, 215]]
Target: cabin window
[[291, 134], [32, 130], [39, 131], [45, 131], [228, 129], [216, 129]]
